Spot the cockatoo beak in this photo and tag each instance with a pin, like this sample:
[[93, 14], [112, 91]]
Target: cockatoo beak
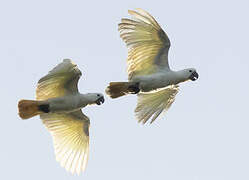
[[100, 101], [194, 76]]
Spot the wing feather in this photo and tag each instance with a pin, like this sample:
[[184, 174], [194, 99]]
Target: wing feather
[[70, 134], [150, 105], [60, 81], [147, 43], [149, 17]]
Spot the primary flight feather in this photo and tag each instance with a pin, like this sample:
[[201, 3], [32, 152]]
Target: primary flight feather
[[149, 74], [59, 103]]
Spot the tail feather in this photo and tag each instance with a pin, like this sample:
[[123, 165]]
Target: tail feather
[[28, 108], [118, 89]]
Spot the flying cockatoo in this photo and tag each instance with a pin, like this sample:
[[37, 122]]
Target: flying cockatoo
[[59, 103], [149, 74]]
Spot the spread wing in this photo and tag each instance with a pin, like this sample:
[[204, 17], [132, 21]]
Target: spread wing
[[60, 81], [150, 105], [147, 44], [70, 134]]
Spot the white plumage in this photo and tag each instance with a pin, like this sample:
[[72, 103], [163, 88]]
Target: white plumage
[[152, 104], [59, 103], [148, 69]]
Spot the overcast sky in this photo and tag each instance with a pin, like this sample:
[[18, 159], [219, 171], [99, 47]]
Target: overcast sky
[[204, 135]]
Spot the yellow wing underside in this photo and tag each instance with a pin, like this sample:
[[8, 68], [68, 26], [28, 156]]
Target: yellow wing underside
[[146, 41], [70, 131], [62, 80], [150, 105], [70, 134]]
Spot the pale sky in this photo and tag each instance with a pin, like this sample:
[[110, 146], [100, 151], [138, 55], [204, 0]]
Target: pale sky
[[204, 135]]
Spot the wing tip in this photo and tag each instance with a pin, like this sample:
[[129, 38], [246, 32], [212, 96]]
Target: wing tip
[[67, 60]]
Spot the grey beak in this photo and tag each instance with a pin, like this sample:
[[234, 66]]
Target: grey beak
[[100, 101], [194, 76]]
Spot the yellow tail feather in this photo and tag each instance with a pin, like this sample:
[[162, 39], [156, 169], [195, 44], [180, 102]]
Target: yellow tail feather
[[28, 108]]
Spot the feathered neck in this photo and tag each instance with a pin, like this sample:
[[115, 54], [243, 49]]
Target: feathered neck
[[181, 76]]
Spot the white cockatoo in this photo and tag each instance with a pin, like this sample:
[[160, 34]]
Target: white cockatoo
[[149, 74], [59, 103]]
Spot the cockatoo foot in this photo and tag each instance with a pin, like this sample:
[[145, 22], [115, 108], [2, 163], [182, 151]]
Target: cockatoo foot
[[134, 89]]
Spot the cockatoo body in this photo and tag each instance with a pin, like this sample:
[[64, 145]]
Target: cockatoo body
[[148, 69], [59, 104]]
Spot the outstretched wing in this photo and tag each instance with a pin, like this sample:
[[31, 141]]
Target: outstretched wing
[[147, 44], [150, 105], [70, 134], [62, 80]]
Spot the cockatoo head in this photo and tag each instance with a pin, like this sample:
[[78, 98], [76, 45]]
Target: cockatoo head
[[96, 98], [191, 74]]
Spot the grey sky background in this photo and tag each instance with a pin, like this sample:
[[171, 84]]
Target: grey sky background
[[203, 136]]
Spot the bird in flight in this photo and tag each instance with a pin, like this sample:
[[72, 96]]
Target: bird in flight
[[59, 103], [149, 74]]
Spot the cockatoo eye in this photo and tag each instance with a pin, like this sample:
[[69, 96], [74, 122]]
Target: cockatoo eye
[[98, 95], [190, 70]]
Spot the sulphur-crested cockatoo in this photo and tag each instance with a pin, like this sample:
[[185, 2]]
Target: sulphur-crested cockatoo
[[59, 103], [149, 73]]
